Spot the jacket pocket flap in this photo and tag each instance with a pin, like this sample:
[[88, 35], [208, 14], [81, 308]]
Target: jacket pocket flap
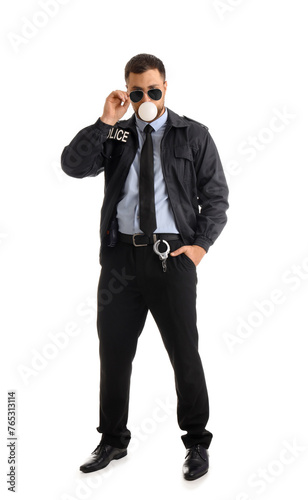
[[183, 152]]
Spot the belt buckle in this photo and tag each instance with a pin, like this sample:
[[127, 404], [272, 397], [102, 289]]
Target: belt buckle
[[134, 242]]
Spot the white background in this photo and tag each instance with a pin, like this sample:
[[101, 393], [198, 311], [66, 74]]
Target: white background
[[233, 68]]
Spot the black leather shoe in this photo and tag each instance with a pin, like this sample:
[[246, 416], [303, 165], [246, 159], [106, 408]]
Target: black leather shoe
[[196, 462], [102, 456]]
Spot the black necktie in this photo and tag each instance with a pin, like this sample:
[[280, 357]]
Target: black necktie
[[146, 185]]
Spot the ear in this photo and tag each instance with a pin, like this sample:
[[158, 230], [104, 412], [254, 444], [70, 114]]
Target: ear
[[165, 85]]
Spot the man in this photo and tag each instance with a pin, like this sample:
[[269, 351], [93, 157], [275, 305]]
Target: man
[[164, 189]]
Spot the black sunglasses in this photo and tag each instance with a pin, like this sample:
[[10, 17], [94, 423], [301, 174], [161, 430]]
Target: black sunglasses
[[137, 95]]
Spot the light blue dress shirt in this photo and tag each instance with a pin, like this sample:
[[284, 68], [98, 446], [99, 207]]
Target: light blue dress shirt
[[128, 206]]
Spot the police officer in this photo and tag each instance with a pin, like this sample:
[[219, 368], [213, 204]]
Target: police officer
[[165, 204]]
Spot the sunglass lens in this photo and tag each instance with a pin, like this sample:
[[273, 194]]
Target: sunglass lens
[[136, 95], [155, 94]]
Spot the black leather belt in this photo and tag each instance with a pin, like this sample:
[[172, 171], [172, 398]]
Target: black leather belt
[[142, 240]]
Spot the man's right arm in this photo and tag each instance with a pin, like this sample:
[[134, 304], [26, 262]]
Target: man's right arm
[[83, 156]]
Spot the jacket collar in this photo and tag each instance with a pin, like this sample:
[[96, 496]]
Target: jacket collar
[[173, 119], [176, 120]]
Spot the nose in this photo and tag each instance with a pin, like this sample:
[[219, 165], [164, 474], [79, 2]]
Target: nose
[[145, 98]]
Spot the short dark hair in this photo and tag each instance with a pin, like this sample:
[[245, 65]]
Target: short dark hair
[[142, 63]]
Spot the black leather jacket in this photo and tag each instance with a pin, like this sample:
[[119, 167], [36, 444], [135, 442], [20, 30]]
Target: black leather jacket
[[192, 170]]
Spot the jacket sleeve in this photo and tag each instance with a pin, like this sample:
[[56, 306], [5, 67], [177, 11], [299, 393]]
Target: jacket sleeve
[[212, 192], [83, 156]]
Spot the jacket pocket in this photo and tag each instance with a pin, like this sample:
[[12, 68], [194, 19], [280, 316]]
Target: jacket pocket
[[112, 159], [184, 163], [183, 152], [111, 152]]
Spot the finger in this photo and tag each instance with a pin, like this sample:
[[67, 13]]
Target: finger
[[126, 104], [122, 95], [115, 96], [178, 251]]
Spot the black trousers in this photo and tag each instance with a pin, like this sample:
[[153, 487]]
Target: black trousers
[[131, 283]]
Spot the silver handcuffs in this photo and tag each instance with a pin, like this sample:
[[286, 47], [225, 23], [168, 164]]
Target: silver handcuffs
[[163, 256]]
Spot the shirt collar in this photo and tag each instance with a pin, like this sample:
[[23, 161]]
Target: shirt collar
[[156, 124]]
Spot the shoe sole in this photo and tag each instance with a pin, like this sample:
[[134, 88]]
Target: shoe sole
[[99, 467]]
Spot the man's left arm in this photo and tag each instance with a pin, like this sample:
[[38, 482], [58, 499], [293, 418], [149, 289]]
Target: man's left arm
[[212, 199]]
